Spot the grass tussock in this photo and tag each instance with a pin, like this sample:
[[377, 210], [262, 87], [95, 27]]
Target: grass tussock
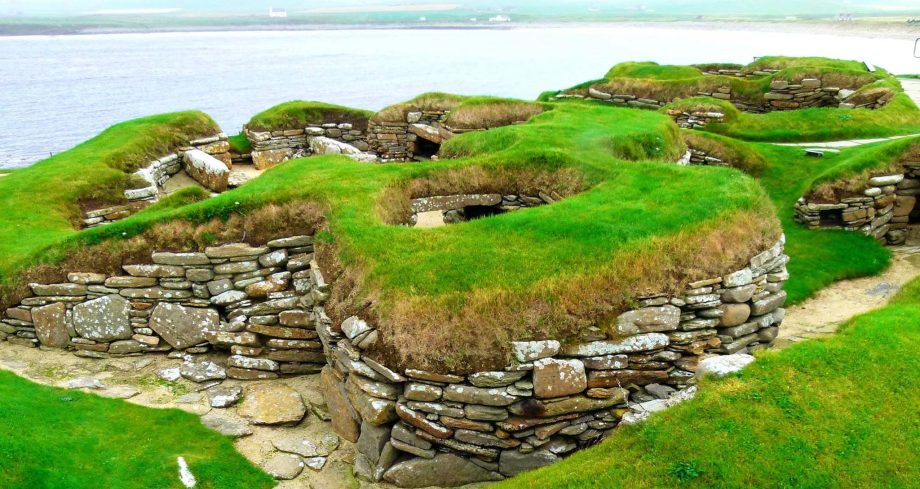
[[560, 307], [298, 114]]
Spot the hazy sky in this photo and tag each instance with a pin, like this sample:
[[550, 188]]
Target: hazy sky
[[773, 7]]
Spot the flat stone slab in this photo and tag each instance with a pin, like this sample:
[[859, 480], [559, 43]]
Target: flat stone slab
[[103, 319]]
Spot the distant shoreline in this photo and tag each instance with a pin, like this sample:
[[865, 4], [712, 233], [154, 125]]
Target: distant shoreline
[[888, 30]]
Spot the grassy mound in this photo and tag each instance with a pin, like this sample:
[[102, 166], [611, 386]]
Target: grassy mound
[[466, 112], [681, 85], [578, 261], [39, 204], [298, 114], [668, 82], [64, 438], [835, 407]]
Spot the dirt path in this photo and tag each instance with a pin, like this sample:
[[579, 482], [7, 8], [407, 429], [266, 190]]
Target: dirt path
[[823, 314]]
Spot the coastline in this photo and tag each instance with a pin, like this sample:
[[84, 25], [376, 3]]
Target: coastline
[[864, 29]]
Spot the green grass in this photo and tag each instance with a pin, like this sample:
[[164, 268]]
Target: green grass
[[821, 414], [38, 204], [55, 438], [298, 114]]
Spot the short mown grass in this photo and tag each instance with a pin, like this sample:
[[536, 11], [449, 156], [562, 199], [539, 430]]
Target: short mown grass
[[54, 438], [820, 414]]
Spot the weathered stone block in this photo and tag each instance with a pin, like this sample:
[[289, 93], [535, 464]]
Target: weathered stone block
[[558, 378], [103, 319], [50, 325], [182, 326]]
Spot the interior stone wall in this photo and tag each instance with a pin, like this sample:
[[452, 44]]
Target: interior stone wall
[[882, 210]]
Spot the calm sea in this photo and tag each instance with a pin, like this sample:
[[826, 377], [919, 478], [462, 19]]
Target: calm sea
[[56, 91]]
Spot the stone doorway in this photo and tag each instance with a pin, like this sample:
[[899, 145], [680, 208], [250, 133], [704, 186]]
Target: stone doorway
[[425, 149]]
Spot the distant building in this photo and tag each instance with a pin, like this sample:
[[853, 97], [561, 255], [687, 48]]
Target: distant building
[[277, 13], [500, 18], [845, 17]]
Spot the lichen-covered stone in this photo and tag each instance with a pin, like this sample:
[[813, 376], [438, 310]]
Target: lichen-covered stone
[[103, 319], [182, 326], [50, 325], [648, 320], [558, 378]]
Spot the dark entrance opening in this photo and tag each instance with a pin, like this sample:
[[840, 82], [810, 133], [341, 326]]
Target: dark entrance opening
[[425, 149], [831, 218], [914, 216], [478, 211]]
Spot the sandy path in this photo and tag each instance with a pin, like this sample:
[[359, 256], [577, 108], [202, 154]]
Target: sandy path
[[823, 314], [912, 88]]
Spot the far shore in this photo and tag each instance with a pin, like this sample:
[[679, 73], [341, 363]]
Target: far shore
[[867, 29]]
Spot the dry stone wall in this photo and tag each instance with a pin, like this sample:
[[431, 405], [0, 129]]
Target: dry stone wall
[[413, 428], [416, 428], [399, 140], [884, 210], [159, 171], [272, 147], [782, 95], [254, 301]]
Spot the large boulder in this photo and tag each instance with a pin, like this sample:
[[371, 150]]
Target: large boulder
[[181, 326], [207, 170], [103, 319], [50, 325], [445, 469]]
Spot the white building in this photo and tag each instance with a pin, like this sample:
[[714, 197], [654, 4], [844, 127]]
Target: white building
[[500, 18], [277, 13]]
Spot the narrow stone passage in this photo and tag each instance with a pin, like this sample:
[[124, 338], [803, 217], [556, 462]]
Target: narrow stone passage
[[823, 314]]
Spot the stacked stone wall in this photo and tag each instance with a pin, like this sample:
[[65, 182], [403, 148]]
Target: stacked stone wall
[[156, 174], [256, 302], [782, 95], [397, 140], [272, 147], [415, 428], [882, 210]]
